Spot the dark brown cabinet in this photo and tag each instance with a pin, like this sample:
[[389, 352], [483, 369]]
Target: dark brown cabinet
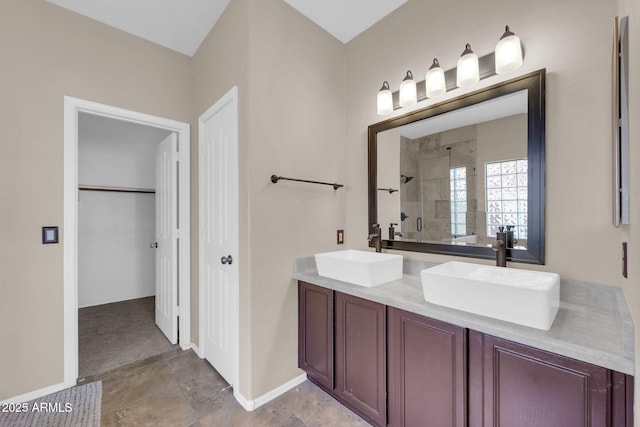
[[315, 333], [427, 371], [361, 371], [515, 385], [438, 374], [342, 347]]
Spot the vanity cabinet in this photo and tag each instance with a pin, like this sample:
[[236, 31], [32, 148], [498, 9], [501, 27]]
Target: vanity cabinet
[[515, 385], [342, 348], [438, 374], [427, 371], [361, 371]]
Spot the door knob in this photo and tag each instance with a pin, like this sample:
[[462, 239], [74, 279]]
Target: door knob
[[226, 260], [154, 245]]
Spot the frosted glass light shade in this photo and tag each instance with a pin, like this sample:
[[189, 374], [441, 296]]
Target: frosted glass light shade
[[468, 71], [408, 91], [435, 81], [508, 53], [385, 100]]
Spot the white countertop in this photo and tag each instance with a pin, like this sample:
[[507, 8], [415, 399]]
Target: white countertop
[[593, 323]]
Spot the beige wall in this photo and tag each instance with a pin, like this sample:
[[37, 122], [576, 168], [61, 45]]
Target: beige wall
[[631, 233], [290, 75], [296, 128], [572, 40], [305, 103], [388, 176], [296, 121], [47, 53]]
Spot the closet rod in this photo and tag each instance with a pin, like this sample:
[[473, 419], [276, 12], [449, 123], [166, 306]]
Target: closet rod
[[116, 190], [276, 178]]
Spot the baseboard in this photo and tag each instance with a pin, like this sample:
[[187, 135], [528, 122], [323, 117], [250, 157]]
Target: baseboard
[[197, 351], [114, 300], [36, 394], [250, 405]]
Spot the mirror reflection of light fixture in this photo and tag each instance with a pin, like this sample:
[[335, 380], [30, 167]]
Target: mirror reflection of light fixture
[[385, 99], [468, 70], [408, 91], [435, 82], [508, 53]]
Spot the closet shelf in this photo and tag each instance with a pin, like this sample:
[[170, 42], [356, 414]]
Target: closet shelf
[[117, 189]]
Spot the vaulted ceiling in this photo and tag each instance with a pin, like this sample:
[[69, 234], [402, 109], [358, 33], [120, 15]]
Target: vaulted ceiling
[[183, 25]]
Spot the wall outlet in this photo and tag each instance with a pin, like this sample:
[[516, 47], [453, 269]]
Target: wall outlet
[[340, 237], [624, 259]]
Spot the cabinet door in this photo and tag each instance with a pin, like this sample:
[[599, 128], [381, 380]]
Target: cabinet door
[[315, 333], [514, 385], [427, 371], [361, 357], [621, 400]]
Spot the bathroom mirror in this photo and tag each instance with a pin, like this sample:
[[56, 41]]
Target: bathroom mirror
[[451, 174]]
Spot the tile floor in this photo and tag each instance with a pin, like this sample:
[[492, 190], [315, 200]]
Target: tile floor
[[117, 334], [148, 382], [177, 388]]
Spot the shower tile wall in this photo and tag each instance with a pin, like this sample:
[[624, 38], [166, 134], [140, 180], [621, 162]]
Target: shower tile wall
[[428, 196]]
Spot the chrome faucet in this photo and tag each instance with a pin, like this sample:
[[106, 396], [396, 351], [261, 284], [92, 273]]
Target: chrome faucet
[[500, 248], [376, 237]]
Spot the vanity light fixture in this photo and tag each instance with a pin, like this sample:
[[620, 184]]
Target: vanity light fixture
[[508, 52], [507, 57], [468, 70], [408, 91], [435, 82], [385, 100]]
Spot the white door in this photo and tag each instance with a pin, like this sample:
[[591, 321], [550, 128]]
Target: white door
[[166, 243], [218, 129]]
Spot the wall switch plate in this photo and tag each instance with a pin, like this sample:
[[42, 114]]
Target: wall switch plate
[[49, 235], [340, 237], [624, 259]]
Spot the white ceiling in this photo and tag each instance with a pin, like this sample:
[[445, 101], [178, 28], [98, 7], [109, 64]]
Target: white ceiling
[[182, 25], [345, 19]]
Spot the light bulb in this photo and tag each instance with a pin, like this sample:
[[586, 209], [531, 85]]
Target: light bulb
[[508, 53], [467, 72], [408, 91], [435, 81], [385, 100]]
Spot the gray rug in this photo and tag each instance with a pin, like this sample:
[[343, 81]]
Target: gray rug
[[76, 406]]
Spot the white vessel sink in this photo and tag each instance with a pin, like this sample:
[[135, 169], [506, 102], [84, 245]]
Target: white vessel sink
[[360, 267], [525, 297]]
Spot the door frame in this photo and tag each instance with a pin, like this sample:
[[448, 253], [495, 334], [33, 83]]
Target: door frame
[[231, 97], [73, 106]]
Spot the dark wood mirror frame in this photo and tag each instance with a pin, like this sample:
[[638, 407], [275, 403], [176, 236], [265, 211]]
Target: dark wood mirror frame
[[535, 85]]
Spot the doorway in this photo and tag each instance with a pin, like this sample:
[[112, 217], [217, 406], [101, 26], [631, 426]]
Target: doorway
[[178, 287], [118, 244]]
